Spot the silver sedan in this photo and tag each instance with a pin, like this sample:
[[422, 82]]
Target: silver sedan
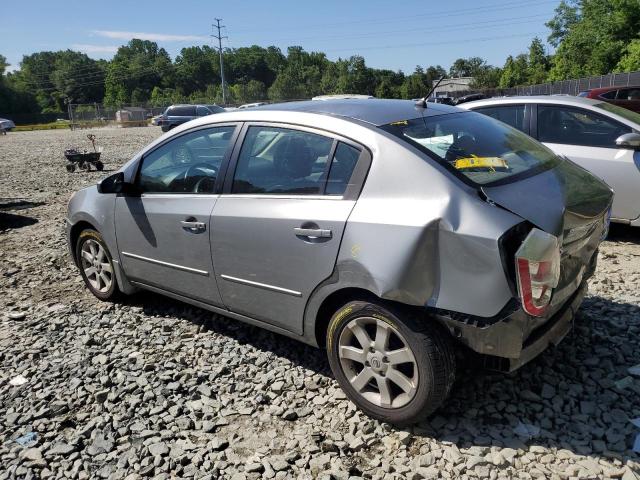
[[389, 233]]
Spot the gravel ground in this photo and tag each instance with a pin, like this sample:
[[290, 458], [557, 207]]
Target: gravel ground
[[157, 388]]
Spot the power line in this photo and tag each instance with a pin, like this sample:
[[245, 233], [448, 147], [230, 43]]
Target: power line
[[220, 37], [490, 8]]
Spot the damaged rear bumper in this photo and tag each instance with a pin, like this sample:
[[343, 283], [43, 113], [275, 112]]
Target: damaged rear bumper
[[515, 338]]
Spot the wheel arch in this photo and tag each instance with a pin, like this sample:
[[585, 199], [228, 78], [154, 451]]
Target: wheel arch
[[74, 234]]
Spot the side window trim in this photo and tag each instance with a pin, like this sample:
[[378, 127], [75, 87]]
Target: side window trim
[[356, 182], [223, 166]]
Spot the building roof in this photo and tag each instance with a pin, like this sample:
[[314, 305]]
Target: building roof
[[374, 111]]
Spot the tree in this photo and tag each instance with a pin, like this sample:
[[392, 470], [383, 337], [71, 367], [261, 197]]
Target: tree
[[630, 61], [466, 67], [538, 63], [514, 72], [592, 36], [414, 85], [567, 15], [140, 65]]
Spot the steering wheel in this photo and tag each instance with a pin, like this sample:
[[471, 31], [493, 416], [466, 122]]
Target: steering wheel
[[205, 183]]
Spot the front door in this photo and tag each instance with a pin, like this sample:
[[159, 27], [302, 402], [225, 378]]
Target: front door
[[277, 229], [589, 139], [163, 233]]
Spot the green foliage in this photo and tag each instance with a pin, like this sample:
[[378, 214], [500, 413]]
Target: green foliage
[[592, 36], [630, 61]]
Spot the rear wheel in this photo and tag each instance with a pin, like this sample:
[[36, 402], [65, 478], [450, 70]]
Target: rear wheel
[[96, 265], [99, 165], [395, 367], [70, 167]]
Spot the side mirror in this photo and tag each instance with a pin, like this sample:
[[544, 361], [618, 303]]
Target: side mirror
[[629, 141], [115, 184]]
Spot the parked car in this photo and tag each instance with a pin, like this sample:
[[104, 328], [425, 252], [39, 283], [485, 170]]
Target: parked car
[[626, 97], [251, 105], [441, 100], [469, 98], [389, 234], [6, 125], [178, 114], [598, 136]]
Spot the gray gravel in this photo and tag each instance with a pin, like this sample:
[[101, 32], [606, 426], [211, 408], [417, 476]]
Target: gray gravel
[[156, 388]]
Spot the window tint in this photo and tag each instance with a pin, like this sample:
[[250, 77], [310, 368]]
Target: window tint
[[215, 108], [628, 94], [575, 126], [474, 146], [183, 111], [344, 161], [609, 95], [189, 163], [511, 115], [282, 161]]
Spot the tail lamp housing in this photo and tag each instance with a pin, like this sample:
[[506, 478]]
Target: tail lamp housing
[[537, 271]]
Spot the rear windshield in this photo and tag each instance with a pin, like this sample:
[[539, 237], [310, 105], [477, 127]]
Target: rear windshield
[[623, 112], [478, 148]]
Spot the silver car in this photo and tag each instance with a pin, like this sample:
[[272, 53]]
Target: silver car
[[388, 233], [599, 136]]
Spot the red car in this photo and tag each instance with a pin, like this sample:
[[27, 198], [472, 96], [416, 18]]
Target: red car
[[627, 97]]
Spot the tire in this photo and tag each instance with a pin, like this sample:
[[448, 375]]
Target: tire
[[88, 247], [417, 348], [70, 167], [99, 165]]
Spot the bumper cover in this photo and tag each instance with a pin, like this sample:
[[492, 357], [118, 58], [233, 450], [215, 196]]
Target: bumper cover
[[517, 338]]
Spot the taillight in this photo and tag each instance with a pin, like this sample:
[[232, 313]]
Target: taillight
[[537, 270]]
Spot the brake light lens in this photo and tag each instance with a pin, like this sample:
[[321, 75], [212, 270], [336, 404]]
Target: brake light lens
[[537, 271]]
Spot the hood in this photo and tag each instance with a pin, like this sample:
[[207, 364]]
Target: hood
[[555, 200]]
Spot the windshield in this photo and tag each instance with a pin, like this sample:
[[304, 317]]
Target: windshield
[[474, 146], [623, 112]]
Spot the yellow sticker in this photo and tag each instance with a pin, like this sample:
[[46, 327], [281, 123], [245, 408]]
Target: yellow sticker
[[481, 162], [355, 250], [400, 123]]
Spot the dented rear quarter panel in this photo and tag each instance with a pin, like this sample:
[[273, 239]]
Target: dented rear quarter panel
[[421, 237]]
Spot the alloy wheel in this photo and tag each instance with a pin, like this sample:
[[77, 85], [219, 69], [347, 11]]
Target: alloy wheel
[[378, 362], [96, 266]]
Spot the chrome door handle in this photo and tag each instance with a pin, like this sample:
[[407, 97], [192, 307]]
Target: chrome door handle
[[312, 232], [194, 227]]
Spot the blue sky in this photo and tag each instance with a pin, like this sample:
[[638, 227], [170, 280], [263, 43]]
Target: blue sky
[[395, 35]]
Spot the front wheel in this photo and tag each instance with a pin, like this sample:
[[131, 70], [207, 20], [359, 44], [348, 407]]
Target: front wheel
[[96, 265], [395, 367]]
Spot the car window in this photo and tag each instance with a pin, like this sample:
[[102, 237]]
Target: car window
[[282, 161], [609, 95], [510, 114], [215, 108], [623, 112], [576, 126], [342, 165], [629, 94], [202, 111], [189, 163], [584, 94], [476, 147]]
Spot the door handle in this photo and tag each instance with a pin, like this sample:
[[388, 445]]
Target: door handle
[[193, 226], [312, 232]]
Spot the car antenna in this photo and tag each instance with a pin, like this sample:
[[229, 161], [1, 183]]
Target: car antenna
[[423, 101]]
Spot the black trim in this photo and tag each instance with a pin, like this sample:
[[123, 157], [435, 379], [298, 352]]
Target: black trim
[[533, 121]]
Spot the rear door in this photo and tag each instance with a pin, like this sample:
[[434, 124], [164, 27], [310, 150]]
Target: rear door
[[163, 232], [629, 98], [277, 228], [588, 139]]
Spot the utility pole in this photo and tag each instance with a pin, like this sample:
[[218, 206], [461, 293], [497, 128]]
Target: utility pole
[[220, 37]]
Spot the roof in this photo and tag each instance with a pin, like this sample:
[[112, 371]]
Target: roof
[[374, 111], [557, 99]]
